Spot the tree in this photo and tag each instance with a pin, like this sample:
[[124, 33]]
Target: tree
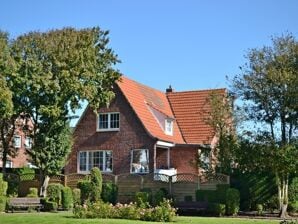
[[267, 89], [56, 71], [8, 111]]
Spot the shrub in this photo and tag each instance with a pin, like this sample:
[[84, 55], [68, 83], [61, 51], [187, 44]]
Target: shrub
[[293, 206], [33, 192], [217, 209], [260, 209], [293, 190], [232, 201], [50, 206], [109, 192], [159, 196], [2, 203], [3, 186], [67, 199], [162, 213], [54, 193], [76, 195], [272, 203], [289, 222], [96, 184], [221, 191], [85, 188], [206, 195], [142, 199], [130, 211]]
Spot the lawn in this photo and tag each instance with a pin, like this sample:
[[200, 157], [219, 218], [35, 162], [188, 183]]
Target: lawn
[[66, 218]]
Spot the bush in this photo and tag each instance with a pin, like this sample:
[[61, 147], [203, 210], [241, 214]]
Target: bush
[[289, 222], [76, 195], [33, 192], [96, 184], [50, 206], [272, 204], [54, 193], [162, 213], [232, 201], [159, 196], [3, 186], [67, 199], [206, 195], [2, 203], [293, 206], [216, 209], [221, 192], [259, 209], [293, 191], [85, 188], [142, 199], [109, 192]]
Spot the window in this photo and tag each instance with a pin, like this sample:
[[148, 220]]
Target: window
[[169, 127], [101, 159], [8, 164], [28, 143], [139, 161], [108, 122], [17, 141]]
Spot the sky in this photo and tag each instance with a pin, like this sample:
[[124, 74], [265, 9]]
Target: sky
[[188, 44]]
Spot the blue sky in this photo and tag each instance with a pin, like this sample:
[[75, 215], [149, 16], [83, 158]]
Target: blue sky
[[190, 44]]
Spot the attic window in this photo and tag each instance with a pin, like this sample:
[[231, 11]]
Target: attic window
[[169, 126], [108, 122]]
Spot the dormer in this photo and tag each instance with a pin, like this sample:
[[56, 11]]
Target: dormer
[[169, 126]]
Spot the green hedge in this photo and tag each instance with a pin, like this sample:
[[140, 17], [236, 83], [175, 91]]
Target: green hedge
[[67, 198], [33, 192], [54, 193], [50, 206], [232, 201], [109, 192], [76, 195], [216, 209], [2, 203]]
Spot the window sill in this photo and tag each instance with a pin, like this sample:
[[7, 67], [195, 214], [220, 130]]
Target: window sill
[[88, 172], [108, 130]]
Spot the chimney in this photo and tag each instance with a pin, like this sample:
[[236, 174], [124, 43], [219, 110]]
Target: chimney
[[169, 90]]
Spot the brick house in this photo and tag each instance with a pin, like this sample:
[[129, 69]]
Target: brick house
[[144, 130], [19, 144]]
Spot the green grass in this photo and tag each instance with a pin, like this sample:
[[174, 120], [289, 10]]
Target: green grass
[[67, 218]]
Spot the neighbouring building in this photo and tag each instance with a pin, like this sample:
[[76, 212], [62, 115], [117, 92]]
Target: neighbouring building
[[145, 130]]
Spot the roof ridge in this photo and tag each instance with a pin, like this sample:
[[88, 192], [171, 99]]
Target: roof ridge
[[149, 87], [199, 90]]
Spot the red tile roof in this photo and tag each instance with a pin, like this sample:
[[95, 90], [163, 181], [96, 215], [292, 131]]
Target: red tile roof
[[142, 97], [185, 107], [190, 108]]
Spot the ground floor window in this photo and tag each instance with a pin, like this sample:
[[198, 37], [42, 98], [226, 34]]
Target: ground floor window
[[102, 159], [205, 158], [139, 161]]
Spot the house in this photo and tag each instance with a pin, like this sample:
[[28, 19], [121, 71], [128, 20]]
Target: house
[[144, 130], [20, 142]]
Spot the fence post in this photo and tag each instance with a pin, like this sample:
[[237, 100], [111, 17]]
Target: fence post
[[142, 183], [170, 185], [199, 182], [116, 180], [65, 180]]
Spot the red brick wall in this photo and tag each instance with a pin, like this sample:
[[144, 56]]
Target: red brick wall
[[132, 135], [184, 159]]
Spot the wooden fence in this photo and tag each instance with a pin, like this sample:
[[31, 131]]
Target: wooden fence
[[179, 186]]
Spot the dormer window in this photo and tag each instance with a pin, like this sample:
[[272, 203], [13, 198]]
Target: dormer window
[[108, 121], [169, 126]]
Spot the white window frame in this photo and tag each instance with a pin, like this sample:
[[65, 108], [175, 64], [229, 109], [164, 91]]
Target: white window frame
[[28, 142], [131, 161], [9, 164], [169, 122], [87, 161], [109, 122], [17, 146]]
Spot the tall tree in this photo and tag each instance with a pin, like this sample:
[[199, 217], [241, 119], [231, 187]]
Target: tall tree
[[8, 111], [56, 71], [268, 91]]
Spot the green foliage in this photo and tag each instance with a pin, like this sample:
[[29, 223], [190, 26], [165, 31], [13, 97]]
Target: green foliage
[[85, 188], [109, 192], [159, 196], [259, 209], [216, 209], [33, 192], [50, 206], [206, 195], [232, 201], [289, 222], [54, 193], [293, 190], [3, 186], [67, 198], [221, 190], [96, 184], [3, 200], [76, 195], [142, 199], [162, 213]]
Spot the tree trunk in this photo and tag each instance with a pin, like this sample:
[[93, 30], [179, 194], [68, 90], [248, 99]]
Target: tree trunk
[[283, 212], [44, 186]]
